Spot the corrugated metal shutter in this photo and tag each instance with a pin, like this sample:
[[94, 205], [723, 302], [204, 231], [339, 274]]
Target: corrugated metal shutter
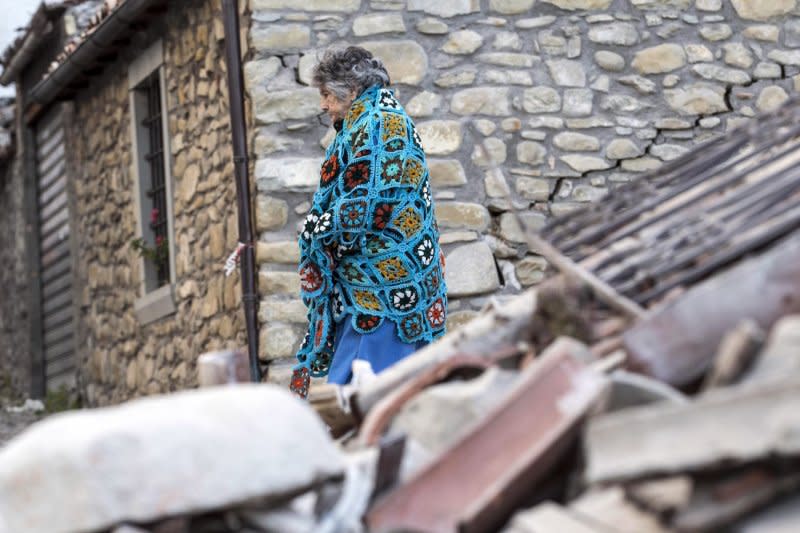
[[58, 310]]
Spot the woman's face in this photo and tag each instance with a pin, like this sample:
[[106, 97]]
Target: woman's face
[[333, 106]]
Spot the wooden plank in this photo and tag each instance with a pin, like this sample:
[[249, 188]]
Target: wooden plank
[[55, 334], [55, 223], [54, 138], [730, 426], [59, 349], [48, 162], [60, 366], [56, 188], [55, 203], [53, 260], [57, 303], [53, 240], [59, 317], [57, 286]]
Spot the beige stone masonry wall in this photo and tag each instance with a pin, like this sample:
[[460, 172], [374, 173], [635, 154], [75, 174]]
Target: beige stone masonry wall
[[122, 358], [569, 97]]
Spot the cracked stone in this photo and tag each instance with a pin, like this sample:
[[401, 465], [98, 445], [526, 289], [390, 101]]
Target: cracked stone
[[698, 99]]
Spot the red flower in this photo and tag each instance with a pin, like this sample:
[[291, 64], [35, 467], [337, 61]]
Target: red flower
[[154, 216], [159, 240]]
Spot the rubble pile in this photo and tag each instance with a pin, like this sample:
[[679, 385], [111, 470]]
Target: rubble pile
[[651, 386]]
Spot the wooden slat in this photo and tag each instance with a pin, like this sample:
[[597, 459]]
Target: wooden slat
[[57, 334], [60, 366], [59, 317], [51, 178], [53, 258], [47, 127], [56, 137], [54, 223], [56, 303], [57, 203], [47, 162], [54, 190], [51, 241], [56, 286], [61, 349]]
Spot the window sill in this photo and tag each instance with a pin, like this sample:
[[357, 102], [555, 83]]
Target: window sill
[[155, 305]]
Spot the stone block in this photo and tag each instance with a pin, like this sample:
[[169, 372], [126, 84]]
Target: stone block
[[509, 59], [576, 142], [307, 5], [623, 149], [763, 32], [462, 215], [578, 102], [536, 189], [424, 104], [584, 163], [288, 173], [722, 74], [276, 309], [375, 23], [698, 99], [446, 173], [488, 151], [567, 73], [771, 98], [511, 230], [616, 33], [279, 283], [642, 164], [440, 137], [659, 59], [766, 70], [716, 32], [785, 57], [511, 7], [531, 152], [761, 10], [285, 37], [271, 107], [258, 72], [574, 5], [541, 100], [462, 42], [280, 252], [271, 213], [406, 61], [667, 152], [471, 270], [738, 55], [431, 26], [492, 101], [495, 184], [609, 61], [698, 53], [451, 8], [279, 341]]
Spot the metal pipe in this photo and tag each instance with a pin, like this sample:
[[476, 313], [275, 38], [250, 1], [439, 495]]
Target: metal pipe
[[233, 59]]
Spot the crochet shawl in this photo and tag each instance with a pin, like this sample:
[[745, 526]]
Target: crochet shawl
[[369, 247]]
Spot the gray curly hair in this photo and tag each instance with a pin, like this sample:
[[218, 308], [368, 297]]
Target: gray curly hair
[[342, 70]]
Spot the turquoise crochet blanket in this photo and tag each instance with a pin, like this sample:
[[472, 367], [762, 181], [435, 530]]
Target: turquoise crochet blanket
[[370, 244]]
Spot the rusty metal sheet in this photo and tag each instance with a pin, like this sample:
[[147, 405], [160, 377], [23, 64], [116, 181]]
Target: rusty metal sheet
[[677, 343], [477, 483]]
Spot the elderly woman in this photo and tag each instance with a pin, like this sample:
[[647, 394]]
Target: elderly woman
[[371, 270]]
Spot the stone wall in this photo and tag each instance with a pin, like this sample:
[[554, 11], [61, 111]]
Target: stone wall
[[121, 358], [15, 358], [570, 97]]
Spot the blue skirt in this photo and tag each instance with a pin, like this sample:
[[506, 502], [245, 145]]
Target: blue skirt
[[382, 348]]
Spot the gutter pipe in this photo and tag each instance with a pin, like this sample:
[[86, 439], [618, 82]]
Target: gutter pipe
[[233, 58]]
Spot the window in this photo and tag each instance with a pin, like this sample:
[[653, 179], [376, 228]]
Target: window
[[153, 185]]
